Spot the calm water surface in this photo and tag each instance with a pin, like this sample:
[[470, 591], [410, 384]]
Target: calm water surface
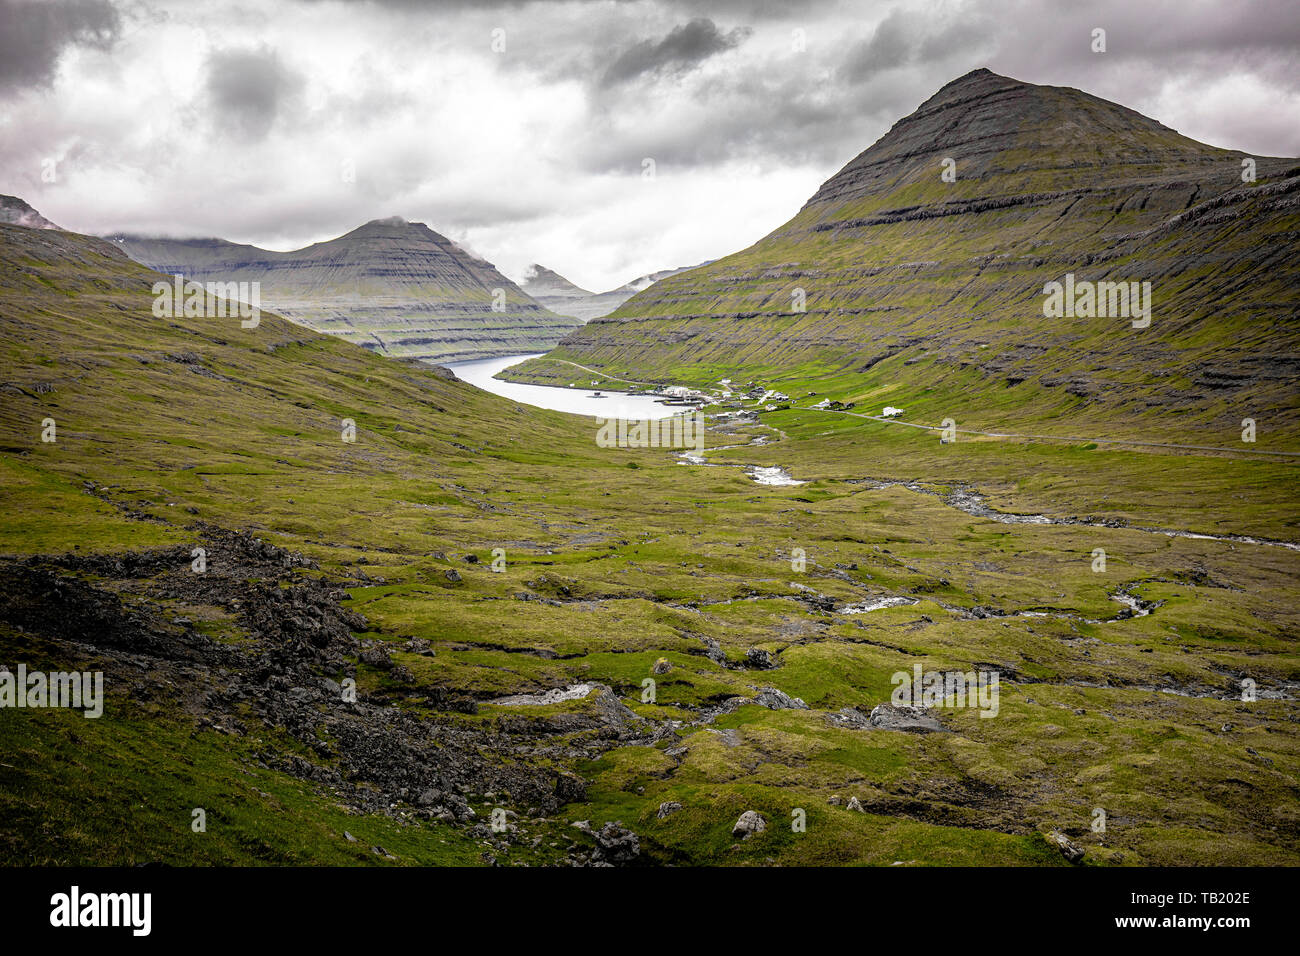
[[575, 401]]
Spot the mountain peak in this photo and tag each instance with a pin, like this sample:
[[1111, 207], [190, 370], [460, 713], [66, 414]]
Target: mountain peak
[[391, 226], [976, 83], [17, 212], [974, 77], [987, 125], [541, 281], [389, 284]]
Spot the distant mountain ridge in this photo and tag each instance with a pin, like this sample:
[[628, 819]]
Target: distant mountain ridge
[[560, 295], [392, 286], [541, 282]]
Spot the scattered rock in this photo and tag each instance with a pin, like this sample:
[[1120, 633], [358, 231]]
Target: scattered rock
[[911, 719], [616, 845], [668, 808], [773, 699], [851, 718], [749, 823], [376, 656], [1068, 850], [570, 788]]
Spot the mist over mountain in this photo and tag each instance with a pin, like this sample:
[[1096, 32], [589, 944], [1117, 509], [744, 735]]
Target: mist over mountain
[[560, 295], [16, 212], [543, 283]]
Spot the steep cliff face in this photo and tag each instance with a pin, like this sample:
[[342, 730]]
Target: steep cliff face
[[920, 269], [392, 286]]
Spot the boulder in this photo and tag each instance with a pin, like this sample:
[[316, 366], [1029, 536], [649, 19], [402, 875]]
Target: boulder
[[774, 699], [911, 719], [750, 822], [1068, 850], [616, 845]]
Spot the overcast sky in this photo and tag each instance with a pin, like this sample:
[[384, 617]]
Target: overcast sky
[[521, 129]]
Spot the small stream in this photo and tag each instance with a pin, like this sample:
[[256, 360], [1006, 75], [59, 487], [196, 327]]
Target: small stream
[[974, 504], [772, 476]]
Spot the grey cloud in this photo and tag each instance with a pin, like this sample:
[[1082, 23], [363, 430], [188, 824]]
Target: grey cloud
[[889, 46], [247, 88], [34, 33], [1163, 33], [686, 45], [773, 115], [904, 38], [751, 9]]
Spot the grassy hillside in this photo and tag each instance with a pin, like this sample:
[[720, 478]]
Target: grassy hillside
[[330, 560]]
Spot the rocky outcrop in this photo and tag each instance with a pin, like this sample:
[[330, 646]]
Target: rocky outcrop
[[616, 845], [301, 650]]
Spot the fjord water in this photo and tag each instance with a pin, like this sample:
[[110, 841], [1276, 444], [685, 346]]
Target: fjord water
[[575, 401]]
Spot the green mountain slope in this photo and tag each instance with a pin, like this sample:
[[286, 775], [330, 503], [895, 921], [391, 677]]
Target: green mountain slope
[[392, 286], [928, 295]]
